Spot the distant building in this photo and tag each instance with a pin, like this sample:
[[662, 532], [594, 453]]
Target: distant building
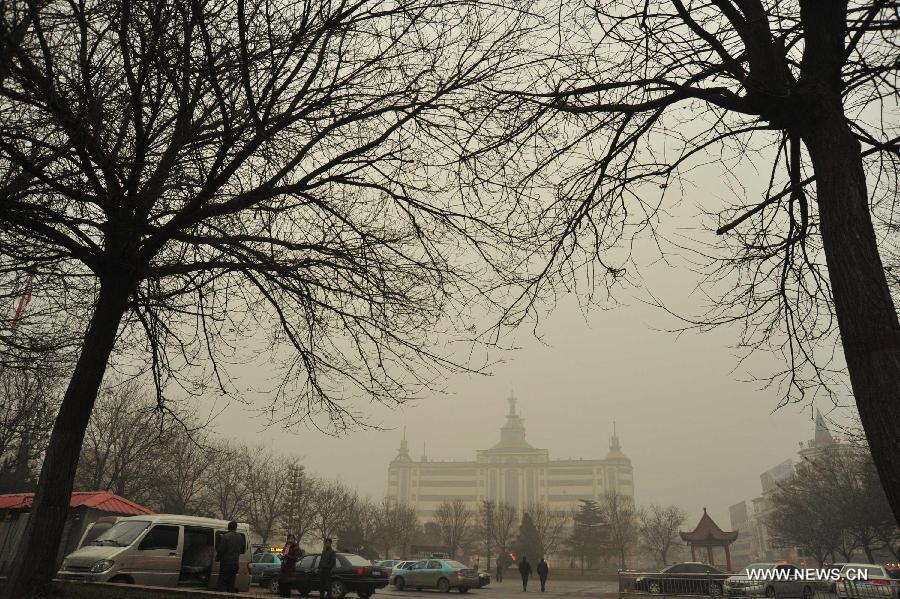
[[511, 471], [754, 541]]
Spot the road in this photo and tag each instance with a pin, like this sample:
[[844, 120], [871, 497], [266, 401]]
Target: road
[[508, 589]]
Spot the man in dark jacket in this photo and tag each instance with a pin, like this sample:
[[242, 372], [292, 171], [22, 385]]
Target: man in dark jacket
[[499, 570], [525, 571], [228, 554], [327, 562], [543, 570]]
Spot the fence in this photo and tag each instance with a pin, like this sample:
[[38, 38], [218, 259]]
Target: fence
[[727, 586]]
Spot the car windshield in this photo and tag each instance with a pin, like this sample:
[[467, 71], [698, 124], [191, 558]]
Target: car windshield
[[122, 534], [454, 564], [356, 560]]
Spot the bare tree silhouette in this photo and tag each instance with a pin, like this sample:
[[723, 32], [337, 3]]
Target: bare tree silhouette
[[197, 179], [627, 98]]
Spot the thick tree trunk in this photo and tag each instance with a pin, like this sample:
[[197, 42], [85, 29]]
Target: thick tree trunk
[[870, 332], [36, 562]]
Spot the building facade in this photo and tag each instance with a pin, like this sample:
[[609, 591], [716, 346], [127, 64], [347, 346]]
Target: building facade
[[511, 471]]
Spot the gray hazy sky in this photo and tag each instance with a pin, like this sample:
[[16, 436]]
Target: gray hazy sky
[[697, 436]]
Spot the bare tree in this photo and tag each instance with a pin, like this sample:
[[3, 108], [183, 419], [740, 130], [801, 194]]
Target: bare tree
[[658, 527], [619, 516], [455, 520], [267, 490], [124, 444], [487, 511], [186, 177], [506, 518], [180, 474], [639, 94], [28, 403], [334, 502], [397, 523], [551, 525], [226, 481]]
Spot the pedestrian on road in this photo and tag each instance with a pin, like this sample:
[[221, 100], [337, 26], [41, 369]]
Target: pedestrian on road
[[228, 554], [499, 569], [290, 555], [525, 571], [327, 562], [543, 570]]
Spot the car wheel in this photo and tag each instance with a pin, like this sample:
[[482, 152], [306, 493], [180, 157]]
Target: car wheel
[[338, 589], [463, 589], [715, 589], [654, 587], [399, 583], [444, 585], [770, 592]]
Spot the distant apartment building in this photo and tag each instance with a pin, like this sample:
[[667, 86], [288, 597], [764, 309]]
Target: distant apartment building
[[511, 471]]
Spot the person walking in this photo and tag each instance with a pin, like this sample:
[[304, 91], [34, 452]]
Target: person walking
[[525, 572], [228, 554], [499, 569], [543, 570], [327, 562], [290, 555]]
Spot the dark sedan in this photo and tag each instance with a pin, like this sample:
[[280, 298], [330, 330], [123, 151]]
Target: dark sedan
[[689, 578], [353, 574]]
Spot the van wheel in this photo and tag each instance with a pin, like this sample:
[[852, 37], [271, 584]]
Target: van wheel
[[121, 580], [444, 585], [338, 589], [399, 583]]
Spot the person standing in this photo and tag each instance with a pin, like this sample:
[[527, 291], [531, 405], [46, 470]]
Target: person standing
[[327, 562], [543, 570], [228, 554], [290, 555], [499, 569], [525, 572]]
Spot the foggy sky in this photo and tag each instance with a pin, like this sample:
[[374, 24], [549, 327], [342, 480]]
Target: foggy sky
[[696, 434]]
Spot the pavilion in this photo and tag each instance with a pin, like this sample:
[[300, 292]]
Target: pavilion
[[708, 534]]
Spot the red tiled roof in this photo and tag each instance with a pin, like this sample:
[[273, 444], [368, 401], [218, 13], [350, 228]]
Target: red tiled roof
[[708, 531], [104, 501]]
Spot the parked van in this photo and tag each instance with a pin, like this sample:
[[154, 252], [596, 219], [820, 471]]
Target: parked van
[[161, 550]]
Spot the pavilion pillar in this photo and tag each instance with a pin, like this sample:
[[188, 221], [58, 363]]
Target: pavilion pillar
[[727, 558], [693, 553], [709, 556]]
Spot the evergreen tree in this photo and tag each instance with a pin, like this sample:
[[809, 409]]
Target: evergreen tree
[[587, 543], [528, 543]]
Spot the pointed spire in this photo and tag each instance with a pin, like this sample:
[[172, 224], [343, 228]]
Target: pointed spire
[[614, 444], [823, 434]]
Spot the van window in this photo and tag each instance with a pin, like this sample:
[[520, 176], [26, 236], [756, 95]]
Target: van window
[[122, 534], [161, 537]]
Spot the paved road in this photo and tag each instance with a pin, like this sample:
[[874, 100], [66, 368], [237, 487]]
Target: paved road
[[508, 589]]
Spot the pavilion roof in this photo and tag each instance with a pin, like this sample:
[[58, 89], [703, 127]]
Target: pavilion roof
[[708, 532]]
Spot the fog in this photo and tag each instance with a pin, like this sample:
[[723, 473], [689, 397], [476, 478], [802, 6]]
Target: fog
[[698, 434]]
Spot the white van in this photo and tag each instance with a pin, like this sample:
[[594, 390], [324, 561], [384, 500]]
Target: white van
[[161, 550]]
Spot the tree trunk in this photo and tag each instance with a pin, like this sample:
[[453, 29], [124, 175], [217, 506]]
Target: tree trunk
[[869, 329], [36, 563]]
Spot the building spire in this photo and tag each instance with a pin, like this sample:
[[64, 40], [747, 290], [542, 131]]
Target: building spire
[[823, 434], [614, 444]]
